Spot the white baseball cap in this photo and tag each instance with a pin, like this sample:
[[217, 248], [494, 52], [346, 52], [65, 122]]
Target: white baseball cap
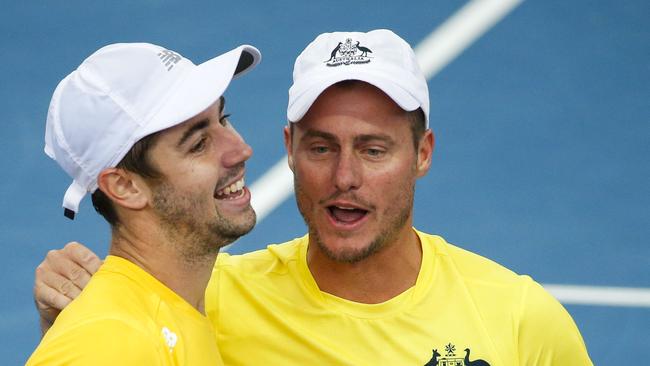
[[379, 57], [122, 93]]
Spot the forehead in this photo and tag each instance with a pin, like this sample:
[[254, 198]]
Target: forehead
[[212, 112], [353, 108]]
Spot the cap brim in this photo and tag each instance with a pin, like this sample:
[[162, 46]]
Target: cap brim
[[203, 85], [307, 94]]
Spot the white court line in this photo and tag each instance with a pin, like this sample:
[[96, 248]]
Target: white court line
[[437, 50], [271, 189], [459, 32], [604, 296]]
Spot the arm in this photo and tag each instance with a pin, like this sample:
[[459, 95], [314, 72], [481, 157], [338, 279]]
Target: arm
[[60, 278]]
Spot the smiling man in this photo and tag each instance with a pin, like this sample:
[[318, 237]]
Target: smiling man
[[364, 287], [143, 129]]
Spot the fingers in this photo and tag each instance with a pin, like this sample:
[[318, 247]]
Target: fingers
[[61, 277], [47, 281], [59, 272], [50, 300], [74, 263], [83, 256]]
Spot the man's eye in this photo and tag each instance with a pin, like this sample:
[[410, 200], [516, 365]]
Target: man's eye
[[199, 146], [375, 152], [320, 149], [224, 119]]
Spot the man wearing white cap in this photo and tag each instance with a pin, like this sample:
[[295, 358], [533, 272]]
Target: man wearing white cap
[[143, 129], [364, 287]]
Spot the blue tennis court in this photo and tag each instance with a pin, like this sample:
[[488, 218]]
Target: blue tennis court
[[542, 137]]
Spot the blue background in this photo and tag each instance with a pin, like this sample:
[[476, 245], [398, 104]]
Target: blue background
[[542, 130]]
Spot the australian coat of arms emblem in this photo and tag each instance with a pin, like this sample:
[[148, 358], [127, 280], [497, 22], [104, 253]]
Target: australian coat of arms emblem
[[451, 359], [349, 52]]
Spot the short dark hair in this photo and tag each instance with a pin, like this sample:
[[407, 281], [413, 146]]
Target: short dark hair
[[418, 125], [136, 161]]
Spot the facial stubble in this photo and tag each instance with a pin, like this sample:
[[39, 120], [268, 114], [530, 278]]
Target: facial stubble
[[397, 218], [196, 235]]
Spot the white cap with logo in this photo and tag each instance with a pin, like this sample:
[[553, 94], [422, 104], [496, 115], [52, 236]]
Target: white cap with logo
[[379, 57], [122, 93]]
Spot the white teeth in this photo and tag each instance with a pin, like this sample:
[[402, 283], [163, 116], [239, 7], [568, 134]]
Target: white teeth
[[235, 187], [345, 208]]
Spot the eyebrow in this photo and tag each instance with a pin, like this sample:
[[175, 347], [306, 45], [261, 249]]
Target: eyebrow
[[321, 134], [200, 125], [374, 137], [357, 139]]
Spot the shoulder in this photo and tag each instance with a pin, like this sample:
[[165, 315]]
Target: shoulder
[[110, 299], [237, 278], [275, 257], [496, 291], [469, 265], [547, 332], [111, 293], [102, 341]]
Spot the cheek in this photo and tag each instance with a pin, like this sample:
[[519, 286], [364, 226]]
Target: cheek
[[195, 177], [390, 181], [311, 176]]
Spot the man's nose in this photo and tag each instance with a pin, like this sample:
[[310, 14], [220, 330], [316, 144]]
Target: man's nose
[[347, 173], [238, 150]]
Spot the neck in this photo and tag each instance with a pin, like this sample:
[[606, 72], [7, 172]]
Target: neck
[[151, 249], [378, 278]]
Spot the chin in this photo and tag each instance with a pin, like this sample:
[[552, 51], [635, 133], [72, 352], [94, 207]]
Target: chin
[[350, 252], [231, 230]]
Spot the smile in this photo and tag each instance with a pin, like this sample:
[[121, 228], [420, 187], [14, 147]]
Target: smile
[[233, 191]]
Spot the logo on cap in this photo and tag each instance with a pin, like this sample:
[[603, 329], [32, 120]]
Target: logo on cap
[[347, 53], [169, 58]]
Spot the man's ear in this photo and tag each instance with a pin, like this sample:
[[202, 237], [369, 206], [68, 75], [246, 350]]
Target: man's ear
[[124, 188], [288, 145], [425, 150]]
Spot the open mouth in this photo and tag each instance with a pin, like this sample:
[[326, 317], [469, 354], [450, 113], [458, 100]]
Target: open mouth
[[231, 192], [346, 215]]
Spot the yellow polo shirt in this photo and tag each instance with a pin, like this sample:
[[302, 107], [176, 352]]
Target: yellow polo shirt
[[126, 317], [267, 309]]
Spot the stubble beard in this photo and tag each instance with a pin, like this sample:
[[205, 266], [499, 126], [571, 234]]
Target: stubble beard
[[396, 218], [196, 237]]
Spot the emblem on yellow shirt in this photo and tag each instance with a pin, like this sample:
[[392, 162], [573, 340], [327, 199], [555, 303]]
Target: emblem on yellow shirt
[[170, 338], [451, 359]]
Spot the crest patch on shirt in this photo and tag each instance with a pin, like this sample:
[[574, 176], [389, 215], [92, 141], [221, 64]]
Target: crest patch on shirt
[[450, 358]]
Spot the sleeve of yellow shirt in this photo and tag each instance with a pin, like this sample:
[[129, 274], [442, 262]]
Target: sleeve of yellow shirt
[[547, 334], [99, 343]]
